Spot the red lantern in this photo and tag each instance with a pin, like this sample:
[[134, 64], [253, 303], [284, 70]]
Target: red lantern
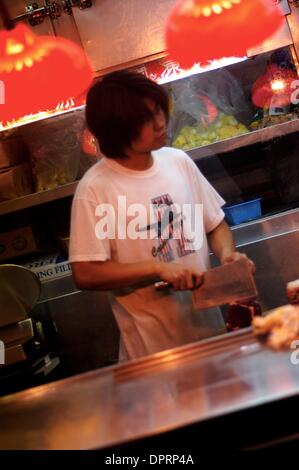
[[203, 30], [274, 88], [39, 72]]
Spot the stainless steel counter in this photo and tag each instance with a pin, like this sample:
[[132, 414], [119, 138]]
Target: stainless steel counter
[[148, 396]]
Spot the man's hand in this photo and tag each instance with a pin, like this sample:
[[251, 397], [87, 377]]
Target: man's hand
[[236, 256], [180, 276]]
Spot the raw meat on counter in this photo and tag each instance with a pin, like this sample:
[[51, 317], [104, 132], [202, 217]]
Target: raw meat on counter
[[241, 315], [279, 328]]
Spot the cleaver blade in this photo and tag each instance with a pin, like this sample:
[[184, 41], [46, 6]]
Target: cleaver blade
[[225, 284]]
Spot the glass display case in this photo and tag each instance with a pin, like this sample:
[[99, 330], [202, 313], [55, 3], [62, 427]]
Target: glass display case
[[240, 123]]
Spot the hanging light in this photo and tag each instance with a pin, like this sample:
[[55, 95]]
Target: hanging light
[[275, 86], [198, 31], [38, 72]]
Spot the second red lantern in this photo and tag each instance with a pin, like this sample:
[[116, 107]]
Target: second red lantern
[[198, 31]]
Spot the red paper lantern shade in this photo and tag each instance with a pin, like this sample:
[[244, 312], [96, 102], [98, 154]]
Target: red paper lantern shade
[[203, 30], [39, 72], [274, 88]]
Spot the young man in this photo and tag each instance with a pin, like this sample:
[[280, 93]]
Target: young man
[[128, 115]]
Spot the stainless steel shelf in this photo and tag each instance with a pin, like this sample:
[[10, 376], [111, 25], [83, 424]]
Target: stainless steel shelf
[[262, 135], [36, 199], [254, 137]]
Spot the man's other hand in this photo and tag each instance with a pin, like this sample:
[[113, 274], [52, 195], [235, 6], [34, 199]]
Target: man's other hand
[[236, 256]]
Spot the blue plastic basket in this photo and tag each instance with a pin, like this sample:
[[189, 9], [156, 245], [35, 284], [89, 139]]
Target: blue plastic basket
[[244, 212]]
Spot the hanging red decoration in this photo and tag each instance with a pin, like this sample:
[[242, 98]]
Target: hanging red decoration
[[274, 88], [198, 31], [88, 143], [211, 113], [39, 72]]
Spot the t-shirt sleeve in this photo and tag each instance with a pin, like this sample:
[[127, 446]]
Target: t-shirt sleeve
[[84, 243], [206, 195]]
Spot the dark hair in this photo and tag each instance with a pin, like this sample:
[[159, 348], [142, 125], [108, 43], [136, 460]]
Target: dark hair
[[116, 110]]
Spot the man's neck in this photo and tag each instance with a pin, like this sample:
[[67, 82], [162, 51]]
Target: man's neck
[[138, 162]]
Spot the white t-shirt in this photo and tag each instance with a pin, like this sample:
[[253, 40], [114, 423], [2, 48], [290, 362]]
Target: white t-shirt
[[149, 320]]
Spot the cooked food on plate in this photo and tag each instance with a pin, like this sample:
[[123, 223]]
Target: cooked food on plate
[[279, 328]]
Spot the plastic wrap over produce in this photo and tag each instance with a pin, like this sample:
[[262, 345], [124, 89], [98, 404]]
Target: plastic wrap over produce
[[208, 108], [55, 149]]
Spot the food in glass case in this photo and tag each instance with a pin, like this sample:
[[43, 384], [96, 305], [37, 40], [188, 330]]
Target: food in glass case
[[274, 91], [224, 127], [274, 88], [266, 120], [50, 176], [208, 108], [55, 149]]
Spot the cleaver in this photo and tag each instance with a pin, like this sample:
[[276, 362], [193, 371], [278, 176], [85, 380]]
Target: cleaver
[[225, 284]]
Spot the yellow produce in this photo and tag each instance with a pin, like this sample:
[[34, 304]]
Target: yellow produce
[[225, 127]]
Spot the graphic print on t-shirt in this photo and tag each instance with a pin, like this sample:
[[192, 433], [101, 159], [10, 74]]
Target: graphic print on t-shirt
[[169, 225]]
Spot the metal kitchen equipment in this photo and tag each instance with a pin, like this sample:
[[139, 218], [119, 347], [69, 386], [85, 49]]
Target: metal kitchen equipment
[[19, 291], [24, 348]]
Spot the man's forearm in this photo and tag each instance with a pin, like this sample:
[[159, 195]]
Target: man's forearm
[[221, 241], [97, 275], [109, 275]]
